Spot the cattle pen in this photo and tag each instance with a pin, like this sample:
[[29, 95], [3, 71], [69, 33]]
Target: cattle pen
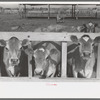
[[50, 36]]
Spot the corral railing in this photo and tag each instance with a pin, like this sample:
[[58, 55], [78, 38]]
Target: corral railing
[[50, 36], [83, 13], [68, 11]]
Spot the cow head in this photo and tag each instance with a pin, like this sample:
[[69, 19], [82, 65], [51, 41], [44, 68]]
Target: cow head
[[89, 27], [12, 52], [41, 62], [86, 45]]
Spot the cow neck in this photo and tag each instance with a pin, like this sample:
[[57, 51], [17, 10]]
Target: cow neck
[[89, 65], [82, 64], [79, 61], [77, 57], [90, 62]]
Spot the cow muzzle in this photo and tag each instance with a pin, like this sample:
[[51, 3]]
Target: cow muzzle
[[38, 71], [86, 54], [14, 61]]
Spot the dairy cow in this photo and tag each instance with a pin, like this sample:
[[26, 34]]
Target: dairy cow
[[88, 28], [47, 59], [83, 57], [13, 59]]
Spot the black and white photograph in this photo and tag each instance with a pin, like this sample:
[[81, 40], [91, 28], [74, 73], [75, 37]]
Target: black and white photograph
[[45, 44]]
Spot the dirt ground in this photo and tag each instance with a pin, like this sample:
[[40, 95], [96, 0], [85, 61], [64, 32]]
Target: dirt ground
[[13, 22]]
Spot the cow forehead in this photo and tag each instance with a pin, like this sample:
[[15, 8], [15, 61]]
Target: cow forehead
[[40, 52], [86, 39], [13, 43], [90, 24], [41, 49]]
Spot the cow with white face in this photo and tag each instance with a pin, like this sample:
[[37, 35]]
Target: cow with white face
[[47, 59], [84, 55], [88, 28], [91, 27], [12, 53]]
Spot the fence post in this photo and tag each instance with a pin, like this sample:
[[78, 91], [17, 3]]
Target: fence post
[[29, 64], [48, 11], [98, 63], [64, 60], [24, 11], [72, 11]]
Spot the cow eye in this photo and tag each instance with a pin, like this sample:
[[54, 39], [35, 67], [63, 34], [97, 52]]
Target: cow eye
[[25, 47], [7, 49], [79, 43], [92, 44], [20, 48]]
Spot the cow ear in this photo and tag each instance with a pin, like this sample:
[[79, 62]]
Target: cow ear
[[25, 42], [74, 38], [97, 40], [2, 42], [33, 43], [53, 51], [34, 54]]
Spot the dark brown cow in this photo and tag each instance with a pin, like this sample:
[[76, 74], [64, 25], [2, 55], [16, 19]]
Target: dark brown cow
[[83, 56], [12, 55]]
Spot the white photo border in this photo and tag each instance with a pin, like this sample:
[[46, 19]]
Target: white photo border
[[47, 89]]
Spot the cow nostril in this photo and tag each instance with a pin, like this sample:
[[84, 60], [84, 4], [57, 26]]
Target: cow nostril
[[11, 60], [41, 72], [86, 53], [14, 60]]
